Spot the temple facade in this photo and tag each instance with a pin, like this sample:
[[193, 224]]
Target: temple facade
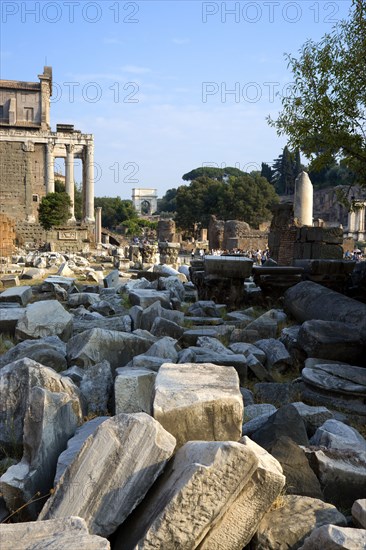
[[29, 148]]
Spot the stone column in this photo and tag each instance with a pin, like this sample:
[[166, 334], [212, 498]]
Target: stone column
[[98, 225], [361, 226], [303, 200], [69, 172], [351, 222], [50, 169], [89, 183]]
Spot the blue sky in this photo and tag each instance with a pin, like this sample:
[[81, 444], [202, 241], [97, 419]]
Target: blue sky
[[164, 86]]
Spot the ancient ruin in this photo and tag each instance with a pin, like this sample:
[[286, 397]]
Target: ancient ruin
[[28, 150]]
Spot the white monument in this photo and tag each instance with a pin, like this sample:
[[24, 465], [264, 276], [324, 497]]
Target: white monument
[[303, 200], [145, 201]]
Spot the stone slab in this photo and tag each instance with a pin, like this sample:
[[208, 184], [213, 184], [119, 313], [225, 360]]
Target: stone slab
[[19, 294]]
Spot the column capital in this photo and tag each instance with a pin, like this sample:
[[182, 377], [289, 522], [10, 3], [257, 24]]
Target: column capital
[[70, 148]]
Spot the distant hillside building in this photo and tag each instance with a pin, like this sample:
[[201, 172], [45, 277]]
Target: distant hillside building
[[28, 149]]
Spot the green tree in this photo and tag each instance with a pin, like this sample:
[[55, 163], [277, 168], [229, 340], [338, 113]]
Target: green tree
[[267, 172], [247, 198], [212, 172], [325, 112], [54, 210], [115, 211], [168, 203], [285, 171]]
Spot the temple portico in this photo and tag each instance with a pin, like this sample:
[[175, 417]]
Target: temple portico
[[69, 145], [356, 221]]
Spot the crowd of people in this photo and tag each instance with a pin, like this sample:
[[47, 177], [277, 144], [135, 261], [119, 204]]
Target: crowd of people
[[356, 255]]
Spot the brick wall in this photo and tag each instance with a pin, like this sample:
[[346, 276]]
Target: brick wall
[[7, 236], [22, 178]]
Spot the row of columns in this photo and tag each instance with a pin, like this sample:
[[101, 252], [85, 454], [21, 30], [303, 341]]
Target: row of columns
[[356, 219], [88, 178]]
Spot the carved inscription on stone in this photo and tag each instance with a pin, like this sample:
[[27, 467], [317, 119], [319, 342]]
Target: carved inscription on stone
[[67, 236]]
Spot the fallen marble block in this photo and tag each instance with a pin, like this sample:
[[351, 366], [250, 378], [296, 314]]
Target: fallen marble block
[[333, 537], [45, 318], [112, 472], [212, 495], [199, 401], [53, 534]]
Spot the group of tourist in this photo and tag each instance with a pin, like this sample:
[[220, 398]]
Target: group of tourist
[[356, 255]]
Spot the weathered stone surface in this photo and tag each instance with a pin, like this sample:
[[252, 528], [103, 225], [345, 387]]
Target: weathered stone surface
[[191, 336], [252, 411], [96, 387], [331, 340], [45, 318], [19, 294], [203, 308], [146, 362], [166, 348], [312, 416], [65, 282], [248, 349], [122, 458], [342, 474], [135, 312], [95, 345], [337, 435], [336, 377], [227, 474], [103, 307], [278, 393], [277, 356], [49, 351], [240, 522], [53, 534], [300, 478], [51, 419], [214, 345], [134, 390], [173, 285], [287, 525], [83, 298], [112, 279], [16, 381], [335, 385], [75, 443], [163, 327], [146, 297], [308, 300], [33, 273], [359, 512], [251, 426], [9, 318], [64, 270], [333, 537], [285, 422], [121, 323], [199, 402]]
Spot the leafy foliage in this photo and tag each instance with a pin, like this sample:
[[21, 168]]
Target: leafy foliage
[[286, 168], [219, 174], [325, 113], [115, 211], [248, 198], [54, 210], [168, 203]]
